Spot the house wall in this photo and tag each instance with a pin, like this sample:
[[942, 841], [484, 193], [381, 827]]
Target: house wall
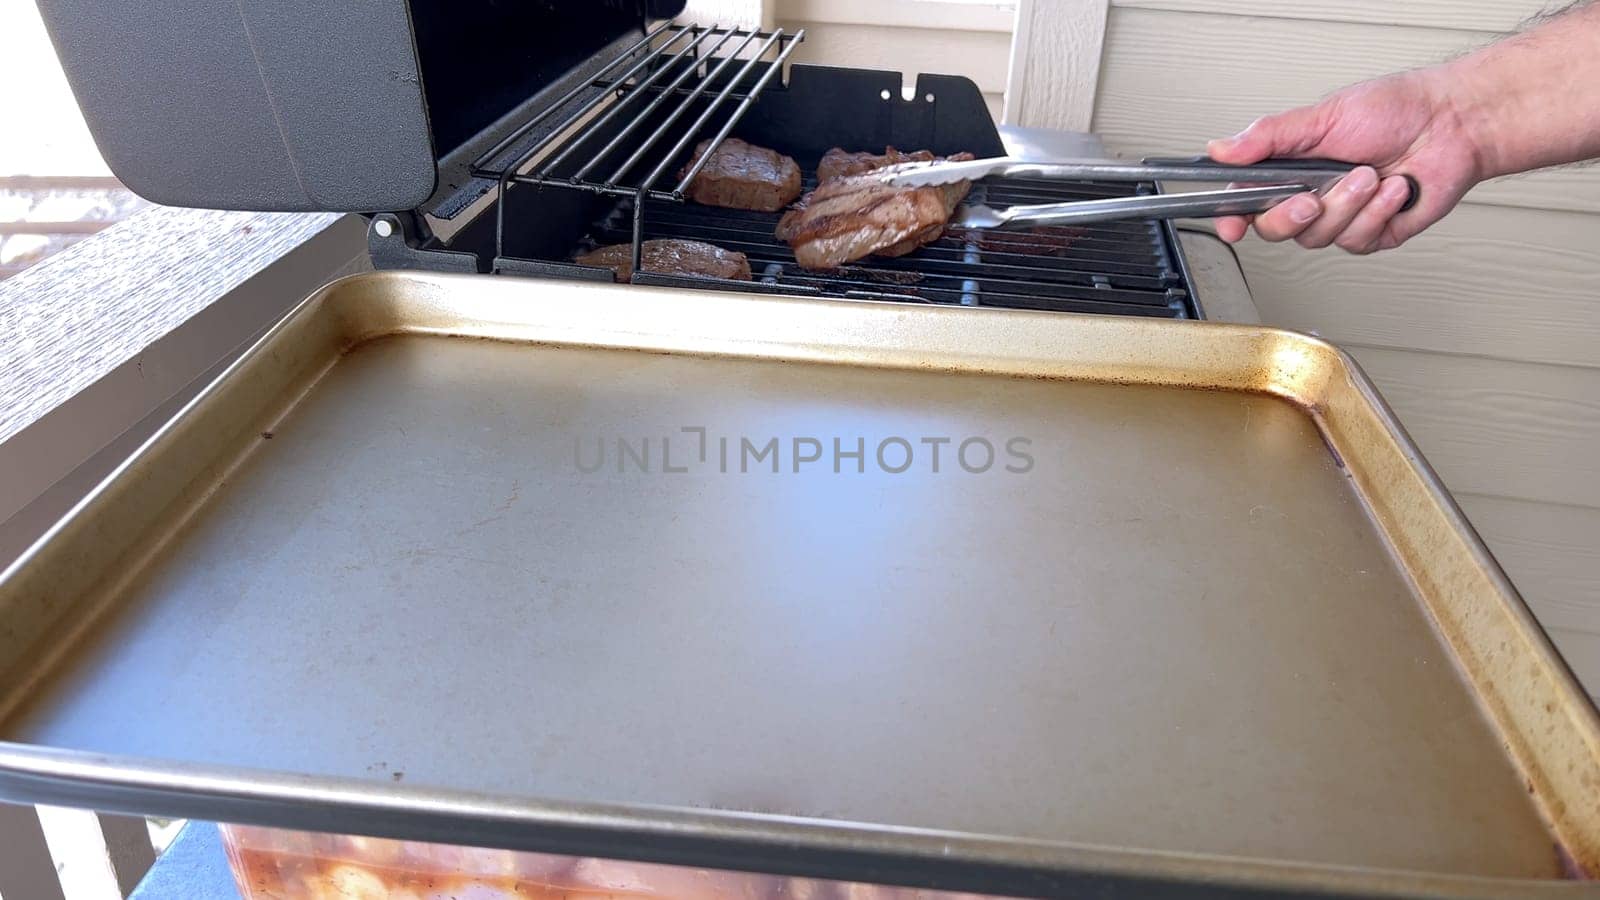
[[1483, 334]]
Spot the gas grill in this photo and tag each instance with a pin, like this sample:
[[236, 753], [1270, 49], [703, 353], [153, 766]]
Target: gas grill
[[509, 138], [609, 161]]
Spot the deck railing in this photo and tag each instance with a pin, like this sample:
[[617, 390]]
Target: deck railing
[[28, 868]]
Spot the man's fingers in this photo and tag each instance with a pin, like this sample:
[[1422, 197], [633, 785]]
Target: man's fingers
[[1234, 151], [1251, 145], [1340, 207], [1232, 228], [1289, 218], [1365, 231], [1293, 133]]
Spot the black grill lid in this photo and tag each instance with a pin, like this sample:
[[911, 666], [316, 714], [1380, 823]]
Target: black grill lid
[[346, 107]]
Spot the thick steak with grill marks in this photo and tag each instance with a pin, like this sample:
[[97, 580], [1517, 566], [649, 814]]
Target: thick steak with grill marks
[[856, 216], [743, 176], [671, 256]]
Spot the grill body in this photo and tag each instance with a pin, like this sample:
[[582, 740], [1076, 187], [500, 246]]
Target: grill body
[[494, 137], [535, 225]]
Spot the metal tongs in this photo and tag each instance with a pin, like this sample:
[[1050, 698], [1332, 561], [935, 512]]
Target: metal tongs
[[1277, 180]]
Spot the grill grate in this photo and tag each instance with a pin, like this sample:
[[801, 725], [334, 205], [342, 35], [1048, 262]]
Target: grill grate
[[677, 68], [607, 152], [1116, 268]]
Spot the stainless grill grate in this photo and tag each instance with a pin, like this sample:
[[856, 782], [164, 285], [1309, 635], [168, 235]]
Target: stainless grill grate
[[1119, 268], [649, 90]]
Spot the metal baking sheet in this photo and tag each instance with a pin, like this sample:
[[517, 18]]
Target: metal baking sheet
[[460, 558]]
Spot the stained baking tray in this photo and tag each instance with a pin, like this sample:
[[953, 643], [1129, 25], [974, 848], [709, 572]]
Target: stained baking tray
[[454, 558]]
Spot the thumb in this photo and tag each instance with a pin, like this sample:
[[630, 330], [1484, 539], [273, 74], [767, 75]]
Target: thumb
[[1288, 134]]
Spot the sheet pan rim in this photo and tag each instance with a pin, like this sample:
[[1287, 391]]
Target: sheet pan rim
[[369, 307]]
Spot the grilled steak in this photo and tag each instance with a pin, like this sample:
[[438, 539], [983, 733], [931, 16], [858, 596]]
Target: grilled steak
[[743, 176], [838, 163], [856, 216], [671, 256]]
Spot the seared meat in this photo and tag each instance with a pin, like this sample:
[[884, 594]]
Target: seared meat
[[672, 257], [743, 176], [852, 217], [838, 163]]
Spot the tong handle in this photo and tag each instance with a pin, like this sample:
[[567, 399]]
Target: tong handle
[[1295, 165], [1290, 168], [1207, 204]]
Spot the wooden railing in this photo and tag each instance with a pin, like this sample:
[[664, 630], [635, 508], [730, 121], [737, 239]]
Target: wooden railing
[[28, 869], [97, 202], [179, 291]]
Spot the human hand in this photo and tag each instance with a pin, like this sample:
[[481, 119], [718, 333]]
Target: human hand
[[1399, 125]]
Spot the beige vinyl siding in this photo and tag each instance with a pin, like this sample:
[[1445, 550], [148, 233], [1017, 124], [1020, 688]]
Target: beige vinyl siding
[[1472, 15], [1512, 429], [1483, 334], [1169, 78], [908, 36], [1552, 552], [1515, 284]]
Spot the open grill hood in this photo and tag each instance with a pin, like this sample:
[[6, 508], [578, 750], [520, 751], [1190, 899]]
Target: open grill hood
[[268, 105]]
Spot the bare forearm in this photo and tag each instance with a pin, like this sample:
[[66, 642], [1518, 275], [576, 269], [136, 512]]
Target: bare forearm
[[1529, 101], [1533, 99]]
